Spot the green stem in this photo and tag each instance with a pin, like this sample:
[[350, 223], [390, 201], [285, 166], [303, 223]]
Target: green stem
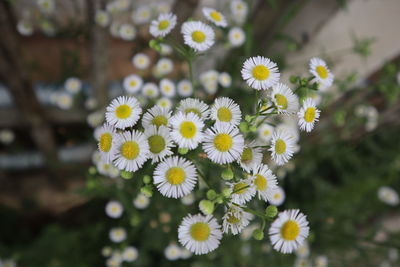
[[254, 212], [203, 178]]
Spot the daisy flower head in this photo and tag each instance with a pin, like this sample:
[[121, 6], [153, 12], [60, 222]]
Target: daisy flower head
[[117, 234], [224, 79], [114, 209], [127, 32], [209, 80], [265, 132], [198, 35], [235, 220], [172, 252], [223, 143], [105, 137], [236, 36], [388, 196], [164, 66], [102, 18], [73, 85], [150, 90], [164, 102], [215, 17], [163, 25], [159, 141], [141, 201], [167, 88], [260, 73], [25, 28], [132, 83], [288, 231], [132, 151], [123, 112], [130, 254], [284, 99], [225, 110], [185, 88], [322, 75], [251, 155], [166, 50], [308, 115], [242, 191], [187, 130], [142, 14], [175, 177], [239, 9], [277, 196], [141, 61], [264, 181], [282, 146], [156, 116], [195, 106], [199, 234]]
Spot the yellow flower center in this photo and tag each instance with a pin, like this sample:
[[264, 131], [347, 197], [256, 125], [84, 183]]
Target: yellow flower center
[[224, 114], [309, 115], [114, 209], [141, 61], [232, 219], [280, 146], [260, 72], [290, 230], [247, 155], [322, 72], [156, 143], [123, 111], [266, 132], [105, 142], [167, 88], [281, 100], [175, 175], [239, 188], [130, 150], [215, 15], [194, 110], [162, 25], [159, 120], [200, 231], [260, 182], [198, 36], [236, 35], [188, 129], [277, 196], [223, 142], [132, 83]]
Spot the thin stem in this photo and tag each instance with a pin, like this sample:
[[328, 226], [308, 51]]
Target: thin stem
[[189, 60], [254, 212], [203, 178]]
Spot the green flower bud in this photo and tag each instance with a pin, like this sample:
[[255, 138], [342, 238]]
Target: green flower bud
[[146, 179], [294, 79], [135, 220], [154, 44], [271, 211], [126, 174], [249, 118], [253, 128], [227, 174], [206, 206], [183, 151], [244, 127], [147, 190], [92, 170], [258, 234], [226, 192], [211, 194]]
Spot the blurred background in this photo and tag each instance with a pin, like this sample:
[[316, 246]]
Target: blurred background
[[61, 62]]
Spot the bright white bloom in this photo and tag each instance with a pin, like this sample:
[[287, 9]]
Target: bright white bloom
[[141, 61], [172, 252], [282, 147], [114, 209], [242, 191], [265, 132], [388, 195], [284, 99], [175, 177], [107, 169], [132, 151], [106, 251], [73, 85], [141, 201], [127, 32], [288, 231], [150, 90], [260, 73], [142, 14], [159, 141], [322, 74], [236, 36], [215, 17], [223, 143], [308, 115], [25, 28], [303, 251], [166, 50], [251, 155], [105, 137], [185, 88], [209, 80], [164, 102], [225, 110], [239, 9], [167, 88], [64, 101], [198, 35], [235, 220], [224, 79], [164, 66], [188, 199], [187, 130], [163, 25], [195, 106], [156, 116], [123, 112], [199, 234], [132, 83], [277, 196], [117, 234], [130, 254], [102, 18], [264, 181]]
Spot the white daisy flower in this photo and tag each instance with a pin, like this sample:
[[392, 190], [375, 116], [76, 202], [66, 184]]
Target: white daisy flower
[[265, 132], [7, 136], [64, 100], [175, 177], [141, 201], [185, 88], [166, 50], [251, 155], [105, 137], [187, 130], [215, 17], [288, 231], [225, 110], [162, 7], [114, 209], [141, 61], [127, 32], [132, 151], [150, 90], [156, 116], [223, 143], [195, 106], [117, 234], [132, 83], [303, 251], [172, 252], [282, 147], [264, 181], [123, 112], [235, 220], [199, 234], [142, 14], [104, 168], [188, 199], [321, 261], [163, 25], [388, 195], [159, 141], [73, 85], [167, 88], [277, 196], [284, 99], [95, 119], [242, 191], [164, 102], [164, 66], [236, 36], [239, 9], [322, 75], [308, 115], [25, 28], [260, 73], [209, 80], [130, 254], [224, 79], [102, 18], [198, 35]]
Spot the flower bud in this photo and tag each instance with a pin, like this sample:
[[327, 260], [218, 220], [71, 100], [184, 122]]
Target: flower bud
[[147, 190], [258, 234], [226, 192], [211, 194], [92, 170], [244, 127], [271, 211], [183, 151], [126, 174], [227, 174], [206, 206], [146, 179]]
